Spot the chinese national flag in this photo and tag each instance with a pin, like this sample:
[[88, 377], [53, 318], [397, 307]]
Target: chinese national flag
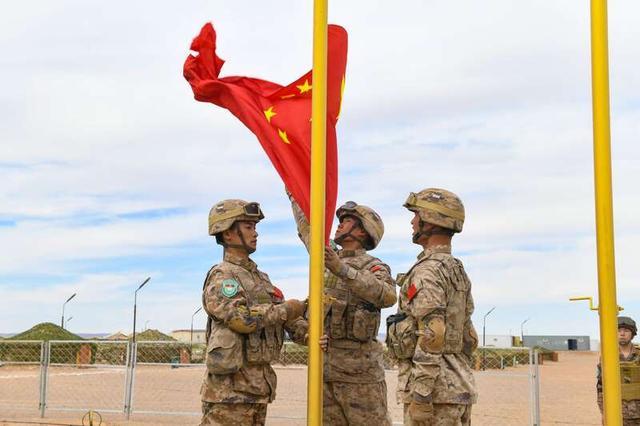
[[280, 116]]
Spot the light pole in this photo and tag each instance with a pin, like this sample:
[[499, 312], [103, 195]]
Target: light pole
[[63, 305], [191, 335], [522, 331], [484, 349], [135, 303], [484, 323]]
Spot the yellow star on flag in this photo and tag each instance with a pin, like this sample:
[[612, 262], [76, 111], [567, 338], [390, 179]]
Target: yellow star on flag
[[283, 136], [305, 87], [269, 113]]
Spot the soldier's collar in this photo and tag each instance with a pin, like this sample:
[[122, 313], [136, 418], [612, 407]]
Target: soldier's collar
[[245, 263], [351, 253], [444, 248], [434, 249]]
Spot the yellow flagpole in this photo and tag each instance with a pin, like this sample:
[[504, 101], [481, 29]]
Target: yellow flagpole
[[318, 174], [608, 309]]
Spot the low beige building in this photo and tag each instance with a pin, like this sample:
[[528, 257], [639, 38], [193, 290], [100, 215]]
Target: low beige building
[[185, 335]]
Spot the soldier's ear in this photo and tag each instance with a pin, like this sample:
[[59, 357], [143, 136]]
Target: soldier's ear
[[227, 234]]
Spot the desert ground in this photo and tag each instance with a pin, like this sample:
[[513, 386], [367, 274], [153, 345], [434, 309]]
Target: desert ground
[[567, 395]]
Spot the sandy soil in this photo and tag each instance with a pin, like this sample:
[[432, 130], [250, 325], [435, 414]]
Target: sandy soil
[[567, 395]]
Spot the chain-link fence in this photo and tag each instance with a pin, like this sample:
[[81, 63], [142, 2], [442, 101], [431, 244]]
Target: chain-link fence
[[166, 378], [163, 379], [506, 380], [86, 375], [21, 377]]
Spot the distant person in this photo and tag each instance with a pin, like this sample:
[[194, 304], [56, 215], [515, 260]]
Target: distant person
[[629, 372], [432, 335], [356, 287], [246, 320]]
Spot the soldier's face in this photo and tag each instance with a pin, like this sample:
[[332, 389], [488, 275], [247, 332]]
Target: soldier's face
[[624, 336], [249, 234], [415, 225], [348, 223]]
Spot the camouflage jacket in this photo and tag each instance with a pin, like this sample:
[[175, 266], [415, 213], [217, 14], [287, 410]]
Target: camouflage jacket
[[437, 286], [238, 365], [352, 313], [631, 408]]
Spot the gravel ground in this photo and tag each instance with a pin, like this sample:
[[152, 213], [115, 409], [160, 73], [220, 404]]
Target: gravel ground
[[567, 395]]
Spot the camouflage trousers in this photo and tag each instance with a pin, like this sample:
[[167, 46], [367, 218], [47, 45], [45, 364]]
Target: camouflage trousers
[[233, 414], [443, 415], [355, 404]]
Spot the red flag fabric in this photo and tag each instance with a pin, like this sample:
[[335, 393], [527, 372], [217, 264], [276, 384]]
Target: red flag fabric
[[280, 116]]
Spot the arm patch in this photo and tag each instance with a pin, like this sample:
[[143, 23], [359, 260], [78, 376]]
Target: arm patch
[[277, 293], [412, 291]]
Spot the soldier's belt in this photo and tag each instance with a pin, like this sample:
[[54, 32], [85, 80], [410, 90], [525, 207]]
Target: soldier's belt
[[348, 344]]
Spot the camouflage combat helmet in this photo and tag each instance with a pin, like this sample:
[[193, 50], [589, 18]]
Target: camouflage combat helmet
[[225, 213], [628, 323], [438, 207], [370, 220]]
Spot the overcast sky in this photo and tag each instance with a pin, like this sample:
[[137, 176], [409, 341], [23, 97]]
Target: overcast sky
[[109, 166]]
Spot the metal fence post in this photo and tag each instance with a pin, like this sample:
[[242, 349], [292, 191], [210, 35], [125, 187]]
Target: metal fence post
[[127, 374], [45, 350], [537, 389], [534, 388], [131, 369]]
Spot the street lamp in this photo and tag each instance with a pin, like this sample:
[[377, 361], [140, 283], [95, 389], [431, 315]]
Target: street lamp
[[522, 331], [135, 302], [484, 349], [62, 320], [484, 322], [191, 335]]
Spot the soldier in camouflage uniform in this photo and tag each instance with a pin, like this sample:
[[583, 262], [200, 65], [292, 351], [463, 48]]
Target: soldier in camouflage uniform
[[356, 287], [629, 373], [245, 328], [432, 335]]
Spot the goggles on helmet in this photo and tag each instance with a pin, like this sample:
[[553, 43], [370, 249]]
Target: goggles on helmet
[[349, 206], [251, 210], [413, 203]]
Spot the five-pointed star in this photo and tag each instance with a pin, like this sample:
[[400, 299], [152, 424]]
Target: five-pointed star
[[269, 113], [305, 87], [283, 136]]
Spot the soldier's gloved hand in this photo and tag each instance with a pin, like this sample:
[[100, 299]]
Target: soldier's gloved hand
[[332, 262], [324, 342], [421, 411], [294, 308]]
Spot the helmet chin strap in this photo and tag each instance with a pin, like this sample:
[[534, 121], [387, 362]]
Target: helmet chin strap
[[428, 233], [339, 240]]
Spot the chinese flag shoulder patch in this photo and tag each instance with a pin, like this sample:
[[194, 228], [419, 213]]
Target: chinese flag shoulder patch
[[376, 268], [277, 293], [411, 291]]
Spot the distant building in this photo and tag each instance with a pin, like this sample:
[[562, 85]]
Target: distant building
[[559, 343], [185, 335], [496, 340]]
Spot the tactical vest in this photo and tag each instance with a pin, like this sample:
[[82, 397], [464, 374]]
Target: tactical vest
[[630, 377], [348, 316], [265, 344]]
